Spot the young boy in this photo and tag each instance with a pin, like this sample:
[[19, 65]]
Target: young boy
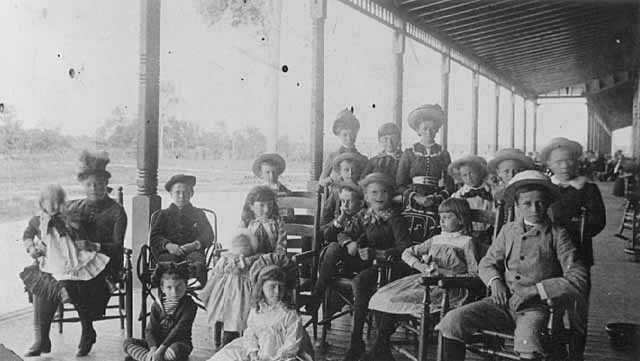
[[387, 160], [268, 167], [345, 127], [182, 231], [531, 262], [168, 336], [348, 166], [505, 165]]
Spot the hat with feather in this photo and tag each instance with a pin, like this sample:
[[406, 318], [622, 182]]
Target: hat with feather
[[93, 164]]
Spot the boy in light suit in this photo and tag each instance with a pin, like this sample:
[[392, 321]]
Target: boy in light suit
[[530, 263]]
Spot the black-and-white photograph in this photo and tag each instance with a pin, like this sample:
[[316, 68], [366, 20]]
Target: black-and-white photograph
[[320, 180]]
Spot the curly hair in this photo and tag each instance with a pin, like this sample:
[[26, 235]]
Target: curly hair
[[459, 207], [170, 270], [258, 194], [269, 273]]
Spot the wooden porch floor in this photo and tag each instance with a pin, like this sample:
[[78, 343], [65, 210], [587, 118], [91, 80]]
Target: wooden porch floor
[[615, 296]]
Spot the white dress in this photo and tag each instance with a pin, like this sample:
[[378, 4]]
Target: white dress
[[275, 332]]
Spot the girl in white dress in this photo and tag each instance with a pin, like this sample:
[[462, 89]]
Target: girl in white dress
[[453, 252], [261, 216], [274, 329]]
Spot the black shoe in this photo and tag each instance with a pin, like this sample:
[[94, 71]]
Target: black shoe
[[86, 342], [379, 354], [38, 347], [355, 352]]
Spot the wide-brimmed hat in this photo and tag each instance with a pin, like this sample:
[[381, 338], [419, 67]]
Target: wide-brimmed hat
[[91, 163], [350, 156], [509, 154], [345, 120], [180, 178], [426, 113], [377, 177], [270, 158], [528, 177], [388, 129], [574, 147]]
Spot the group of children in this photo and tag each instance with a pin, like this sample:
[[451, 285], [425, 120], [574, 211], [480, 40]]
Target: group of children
[[534, 259]]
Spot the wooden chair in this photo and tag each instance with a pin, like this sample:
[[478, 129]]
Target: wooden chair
[[630, 219], [557, 337], [146, 265], [422, 327], [123, 292]]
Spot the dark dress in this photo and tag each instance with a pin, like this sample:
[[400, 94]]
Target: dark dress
[[383, 162], [415, 162], [106, 223]]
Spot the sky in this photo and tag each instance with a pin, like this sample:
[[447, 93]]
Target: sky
[[218, 72]]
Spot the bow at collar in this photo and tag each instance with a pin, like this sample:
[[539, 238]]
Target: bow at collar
[[577, 182], [481, 192], [420, 150], [379, 217]]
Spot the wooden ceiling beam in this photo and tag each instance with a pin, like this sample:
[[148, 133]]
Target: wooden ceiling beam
[[426, 5], [477, 11], [459, 5], [560, 50]]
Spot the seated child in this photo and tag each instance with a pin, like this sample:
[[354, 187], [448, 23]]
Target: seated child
[[63, 255], [531, 261], [386, 233], [348, 166], [387, 160], [269, 167], [181, 232], [450, 253], [475, 190], [228, 288], [168, 335], [345, 128], [505, 164], [260, 215], [274, 329]]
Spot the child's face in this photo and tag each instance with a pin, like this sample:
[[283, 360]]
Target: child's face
[[377, 196], [348, 170], [262, 209], [181, 194], [269, 173], [173, 287], [389, 142], [427, 131], [50, 205], [95, 188], [273, 291], [533, 206], [347, 137], [449, 222], [349, 202], [507, 169], [470, 176], [562, 164]]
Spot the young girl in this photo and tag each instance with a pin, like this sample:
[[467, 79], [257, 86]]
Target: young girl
[[450, 253], [475, 190], [168, 335], [64, 257], [227, 293], [260, 215], [274, 330]]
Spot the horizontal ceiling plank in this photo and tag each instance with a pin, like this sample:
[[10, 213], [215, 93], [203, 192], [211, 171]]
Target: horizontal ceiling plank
[[449, 9], [427, 5], [476, 11], [564, 50]]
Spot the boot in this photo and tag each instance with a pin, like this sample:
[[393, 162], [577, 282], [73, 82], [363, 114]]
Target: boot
[[381, 350], [356, 350], [217, 334], [87, 339], [452, 350], [43, 311], [228, 336]]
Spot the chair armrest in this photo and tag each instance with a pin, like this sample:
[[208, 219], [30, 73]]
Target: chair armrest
[[449, 282], [301, 257]]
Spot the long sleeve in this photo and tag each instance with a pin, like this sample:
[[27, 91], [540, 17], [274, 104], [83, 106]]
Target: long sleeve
[[597, 216], [403, 177], [281, 244], [184, 323], [31, 232], [491, 266], [114, 248], [329, 208], [156, 234], [294, 334], [251, 340], [575, 277], [151, 333], [401, 236], [205, 232], [411, 255], [327, 167]]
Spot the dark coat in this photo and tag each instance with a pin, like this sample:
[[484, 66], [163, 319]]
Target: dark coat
[[415, 162], [166, 329], [180, 226]]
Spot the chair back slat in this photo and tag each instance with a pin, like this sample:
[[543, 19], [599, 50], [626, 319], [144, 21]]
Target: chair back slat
[[299, 230], [302, 201]]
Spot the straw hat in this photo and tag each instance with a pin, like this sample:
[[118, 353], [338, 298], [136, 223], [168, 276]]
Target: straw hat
[[528, 177], [345, 120], [270, 158], [426, 113], [180, 178], [509, 154], [572, 146]]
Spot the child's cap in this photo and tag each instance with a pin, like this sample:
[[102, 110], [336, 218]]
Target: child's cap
[[345, 120], [510, 154], [270, 158], [380, 178], [529, 177], [180, 178], [388, 129]]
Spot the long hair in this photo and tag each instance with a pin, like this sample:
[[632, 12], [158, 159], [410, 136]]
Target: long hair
[[459, 207], [53, 191], [258, 194], [269, 273]]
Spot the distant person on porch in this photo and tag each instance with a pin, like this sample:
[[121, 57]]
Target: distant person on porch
[[346, 128], [422, 171], [181, 232], [387, 160]]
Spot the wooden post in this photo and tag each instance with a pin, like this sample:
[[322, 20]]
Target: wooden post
[[496, 120], [398, 72], [147, 200], [534, 137], [524, 125], [445, 70], [512, 138], [273, 71], [590, 123], [318, 17], [475, 83]]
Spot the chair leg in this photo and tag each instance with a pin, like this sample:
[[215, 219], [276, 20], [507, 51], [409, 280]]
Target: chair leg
[[121, 306], [369, 324], [60, 317], [327, 294]]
